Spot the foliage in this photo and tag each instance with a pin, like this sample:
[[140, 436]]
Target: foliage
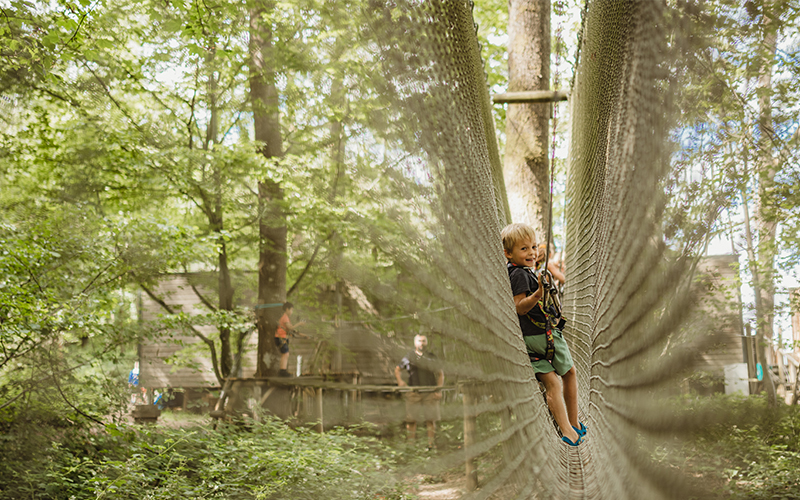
[[749, 450], [266, 460], [63, 302], [735, 126]]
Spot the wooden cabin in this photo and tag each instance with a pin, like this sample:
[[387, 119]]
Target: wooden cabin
[[343, 352], [731, 354], [721, 300]]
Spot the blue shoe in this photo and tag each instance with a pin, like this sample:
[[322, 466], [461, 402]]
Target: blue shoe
[[582, 431], [567, 440]]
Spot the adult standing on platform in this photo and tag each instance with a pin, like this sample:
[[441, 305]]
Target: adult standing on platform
[[423, 370]]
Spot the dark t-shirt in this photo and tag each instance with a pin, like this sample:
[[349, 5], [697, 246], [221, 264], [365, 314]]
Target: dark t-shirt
[[525, 281], [421, 370]]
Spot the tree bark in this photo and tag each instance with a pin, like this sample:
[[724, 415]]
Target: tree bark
[[761, 340], [272, 217], [217, 222], [526, 165], [765, 215]]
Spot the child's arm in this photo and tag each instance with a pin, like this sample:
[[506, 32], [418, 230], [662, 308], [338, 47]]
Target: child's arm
[[290, 326], [556, 271], [525, 302]]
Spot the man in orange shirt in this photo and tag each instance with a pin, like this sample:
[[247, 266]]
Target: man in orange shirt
[[285, 327]]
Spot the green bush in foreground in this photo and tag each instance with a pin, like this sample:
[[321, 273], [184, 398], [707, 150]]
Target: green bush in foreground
[[267, 461], [752, 452]]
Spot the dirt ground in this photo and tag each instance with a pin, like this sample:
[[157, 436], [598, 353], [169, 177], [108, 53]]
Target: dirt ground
[[445, 487]]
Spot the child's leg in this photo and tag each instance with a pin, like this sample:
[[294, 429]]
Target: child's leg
[[555, 401], [284, 360], [570, 380]]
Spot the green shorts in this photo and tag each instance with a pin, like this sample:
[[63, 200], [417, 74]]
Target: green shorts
[[562, 361]]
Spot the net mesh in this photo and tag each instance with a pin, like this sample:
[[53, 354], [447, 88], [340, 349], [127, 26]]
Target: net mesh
[[621, 297]]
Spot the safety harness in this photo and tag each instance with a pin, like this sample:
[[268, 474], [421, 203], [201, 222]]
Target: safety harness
[[550, 307]]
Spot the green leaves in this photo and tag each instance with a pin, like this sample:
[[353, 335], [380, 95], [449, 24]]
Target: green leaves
[[269, 461]]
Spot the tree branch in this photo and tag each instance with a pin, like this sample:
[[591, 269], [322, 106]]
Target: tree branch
[[202, 298], [64, 397], [308, 264], [208, 341]]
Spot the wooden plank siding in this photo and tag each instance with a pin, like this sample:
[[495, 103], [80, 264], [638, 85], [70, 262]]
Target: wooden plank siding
[[155, 371], [348, 350], [720, 301]]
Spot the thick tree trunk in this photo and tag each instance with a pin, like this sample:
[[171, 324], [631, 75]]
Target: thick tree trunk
[[526, 162], [766, 168], [272, 218]]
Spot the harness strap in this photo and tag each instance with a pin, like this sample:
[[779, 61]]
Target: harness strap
[[546, 328], [550, 349]]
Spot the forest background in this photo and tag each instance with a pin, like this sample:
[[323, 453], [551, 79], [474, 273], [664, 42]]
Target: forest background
[[143, 138]]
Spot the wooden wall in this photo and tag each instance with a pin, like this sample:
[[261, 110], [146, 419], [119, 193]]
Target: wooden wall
[[155, 371], [720, 301], [348, 349]]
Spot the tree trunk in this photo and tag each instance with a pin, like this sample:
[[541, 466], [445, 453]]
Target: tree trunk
[[766, 168], [217, 223], [526, 165], [761, 340], [225, 298], [272, 218]]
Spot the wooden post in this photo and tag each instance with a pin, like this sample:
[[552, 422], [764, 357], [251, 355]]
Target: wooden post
[[320, 427], [256, 401], [352, 411], [783, 374], [531, 96], [751, 359], [469, 439]]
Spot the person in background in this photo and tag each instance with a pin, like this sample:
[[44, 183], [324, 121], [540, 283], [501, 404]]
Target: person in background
[[422, 368], [554, 264], [139, 394], [285, 327]]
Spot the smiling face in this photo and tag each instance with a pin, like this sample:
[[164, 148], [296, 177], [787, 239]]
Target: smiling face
[[523, 253]]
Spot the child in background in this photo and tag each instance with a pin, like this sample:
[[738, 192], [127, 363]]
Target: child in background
[[285, 327], [554, 265]]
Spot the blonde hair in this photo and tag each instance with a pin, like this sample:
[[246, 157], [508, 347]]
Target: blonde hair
[[514, 233]]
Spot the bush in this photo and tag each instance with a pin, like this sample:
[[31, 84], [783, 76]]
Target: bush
[[752, 451], [267, 461]]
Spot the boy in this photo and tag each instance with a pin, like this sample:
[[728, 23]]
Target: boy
[[519, 246], [285, 327]]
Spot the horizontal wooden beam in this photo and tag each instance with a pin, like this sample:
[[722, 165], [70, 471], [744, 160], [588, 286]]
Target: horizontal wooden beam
[[532, 96]]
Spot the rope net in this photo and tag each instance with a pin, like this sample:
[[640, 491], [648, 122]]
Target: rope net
[[627, 296]]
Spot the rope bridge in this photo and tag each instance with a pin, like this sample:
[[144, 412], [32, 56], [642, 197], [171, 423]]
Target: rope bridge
[[626, 297]]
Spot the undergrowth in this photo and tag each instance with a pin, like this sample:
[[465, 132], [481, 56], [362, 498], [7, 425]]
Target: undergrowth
[[267, 460], [750, 452]]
